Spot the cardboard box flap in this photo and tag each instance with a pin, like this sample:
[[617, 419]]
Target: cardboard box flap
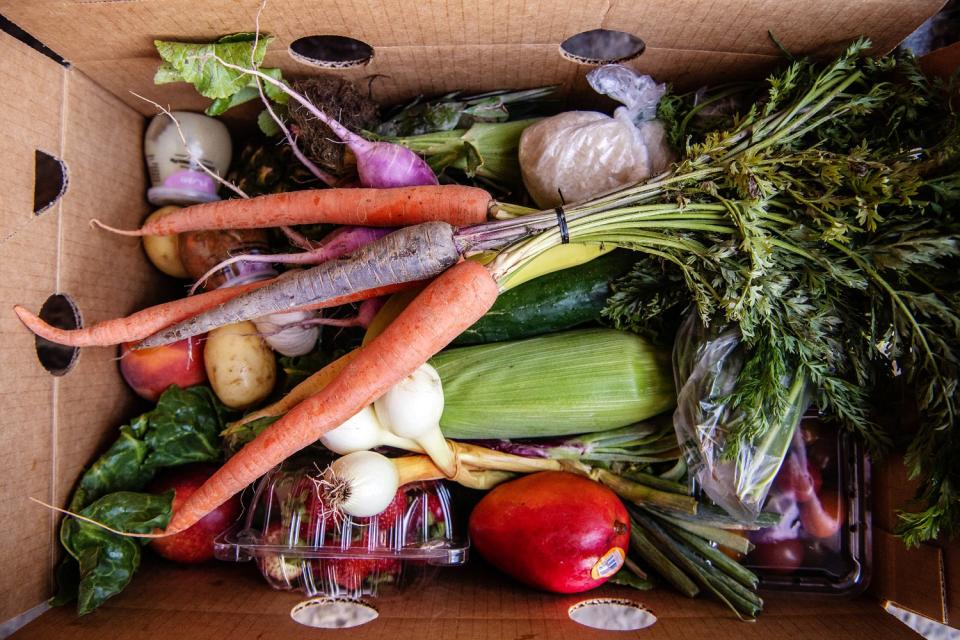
[[31, 119], [83, 31], [440, 46], [51, 427]]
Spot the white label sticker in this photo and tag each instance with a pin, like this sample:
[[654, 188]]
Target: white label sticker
[[608, 564]]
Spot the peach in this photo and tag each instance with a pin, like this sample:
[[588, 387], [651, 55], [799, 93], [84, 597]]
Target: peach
[[150, 371]]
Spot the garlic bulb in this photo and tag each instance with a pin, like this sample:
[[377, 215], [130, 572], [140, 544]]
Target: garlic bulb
[[284, 333]]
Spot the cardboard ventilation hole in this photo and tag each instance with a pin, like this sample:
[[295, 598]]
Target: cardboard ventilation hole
[[612, 614], [331, 52], [49, 181], [60, 311], [602, 46], [333, 613]]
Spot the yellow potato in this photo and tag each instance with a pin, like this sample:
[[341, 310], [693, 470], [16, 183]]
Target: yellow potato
[[241, 367], [164, 251]]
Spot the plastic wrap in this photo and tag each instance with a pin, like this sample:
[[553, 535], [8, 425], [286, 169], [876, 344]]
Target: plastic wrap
[[581, 154], [707, 364]]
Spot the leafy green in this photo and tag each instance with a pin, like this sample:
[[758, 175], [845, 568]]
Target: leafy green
[[198, 65], [485, 150], [107, 561], [267, 124], [195, 63], [184, 427], [647, 300], [240, 433], [454, 111]]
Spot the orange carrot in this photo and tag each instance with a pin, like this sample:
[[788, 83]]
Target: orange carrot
[[360, 296], [146, 322], [137, 325], [456, 204], [449, 304]]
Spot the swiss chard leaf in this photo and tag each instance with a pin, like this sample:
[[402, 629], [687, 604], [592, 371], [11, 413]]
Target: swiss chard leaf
[[184, 427], [107, 561]]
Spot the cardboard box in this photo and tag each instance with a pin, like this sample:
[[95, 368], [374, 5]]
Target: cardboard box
[[84, 114]]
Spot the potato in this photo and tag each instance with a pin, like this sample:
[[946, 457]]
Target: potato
[[241, 367], [164, 251]]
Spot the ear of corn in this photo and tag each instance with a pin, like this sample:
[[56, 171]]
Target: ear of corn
[[565, 383]]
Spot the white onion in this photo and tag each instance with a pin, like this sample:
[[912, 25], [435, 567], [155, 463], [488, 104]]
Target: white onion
[[363, 483], [362, 432], [412, 409]]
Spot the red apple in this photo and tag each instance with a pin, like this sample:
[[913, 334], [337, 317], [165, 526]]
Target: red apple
[[194, 545], [150, 371]]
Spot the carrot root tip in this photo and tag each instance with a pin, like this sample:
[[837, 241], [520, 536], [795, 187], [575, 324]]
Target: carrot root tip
[[126, 534], [123, 232]]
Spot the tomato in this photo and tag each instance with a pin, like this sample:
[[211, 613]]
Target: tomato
[[802, 480], [822, 517], [785, 556]]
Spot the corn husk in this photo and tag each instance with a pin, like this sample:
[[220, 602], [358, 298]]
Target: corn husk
[[565, 383]]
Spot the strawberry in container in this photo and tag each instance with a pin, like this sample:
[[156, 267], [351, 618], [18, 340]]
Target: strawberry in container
[[821, 543], [300, 543]]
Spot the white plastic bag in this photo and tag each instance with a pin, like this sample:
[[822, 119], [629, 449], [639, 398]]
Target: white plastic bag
[[576, 155]]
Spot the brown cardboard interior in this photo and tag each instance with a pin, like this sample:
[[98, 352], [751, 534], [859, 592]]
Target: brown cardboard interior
[[52, 427], [440, 46], [227, 601]]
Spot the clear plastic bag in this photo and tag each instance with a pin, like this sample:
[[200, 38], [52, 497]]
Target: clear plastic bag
[[581, 154], [707, 364]]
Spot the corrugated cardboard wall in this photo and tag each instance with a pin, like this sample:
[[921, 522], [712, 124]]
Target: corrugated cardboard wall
[[30, 119], [439, 45], [51, 427]]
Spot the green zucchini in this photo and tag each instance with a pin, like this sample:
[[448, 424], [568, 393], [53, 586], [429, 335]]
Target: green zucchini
[[553, 302]]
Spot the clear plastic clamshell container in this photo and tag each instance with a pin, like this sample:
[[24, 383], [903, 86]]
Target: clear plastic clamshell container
[[299, 544], [822, 543]]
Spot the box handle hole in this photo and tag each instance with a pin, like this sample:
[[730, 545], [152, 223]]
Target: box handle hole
[[333, 613], [601, 46], [612, 614], [49, 181], [331, 52], [60, 311]]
